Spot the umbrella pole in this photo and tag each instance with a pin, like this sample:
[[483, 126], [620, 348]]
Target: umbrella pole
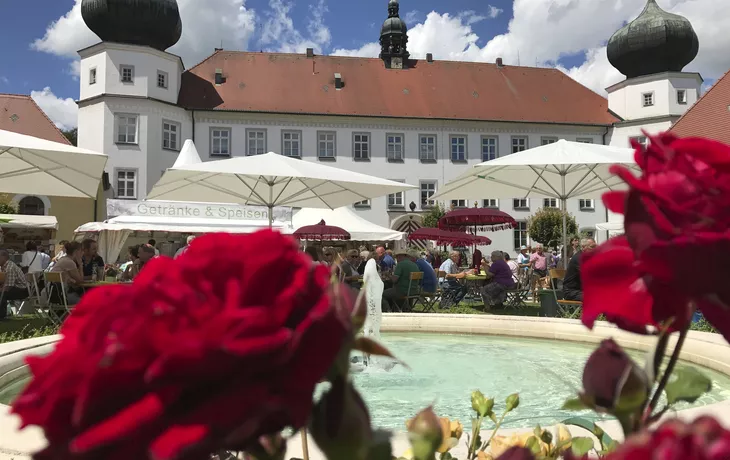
[[563, 203], [271, 216]]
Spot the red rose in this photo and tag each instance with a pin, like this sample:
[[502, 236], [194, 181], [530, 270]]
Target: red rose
[[703, 439], [677, 221], [205, 353]]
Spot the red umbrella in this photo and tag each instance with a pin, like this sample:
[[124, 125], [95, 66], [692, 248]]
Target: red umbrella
[[321, 232], [447, 237], [478, 218]]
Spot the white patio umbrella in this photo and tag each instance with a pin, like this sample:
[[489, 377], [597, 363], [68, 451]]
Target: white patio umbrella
[[561, 170], [33, 166], [270, 180]]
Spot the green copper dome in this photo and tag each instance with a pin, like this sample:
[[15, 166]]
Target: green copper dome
[[654, 42]]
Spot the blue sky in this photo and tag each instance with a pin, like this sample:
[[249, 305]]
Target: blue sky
[[41, 37]]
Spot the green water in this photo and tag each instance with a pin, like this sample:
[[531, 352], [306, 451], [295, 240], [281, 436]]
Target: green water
[[445, 369]]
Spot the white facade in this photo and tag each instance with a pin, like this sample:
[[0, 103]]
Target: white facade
[[139, 126]]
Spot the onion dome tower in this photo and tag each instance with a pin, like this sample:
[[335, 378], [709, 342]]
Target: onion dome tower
[[153, 23], [654, 42], [394, 39]]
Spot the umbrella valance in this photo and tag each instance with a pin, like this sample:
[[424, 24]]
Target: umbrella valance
[[448, 237], [321, 232]]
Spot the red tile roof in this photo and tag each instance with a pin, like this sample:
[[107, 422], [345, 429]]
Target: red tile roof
[[293, 83], [20, 114], [710, 116]]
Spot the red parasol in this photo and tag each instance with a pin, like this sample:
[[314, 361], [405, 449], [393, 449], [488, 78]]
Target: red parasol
[[321, 232], [447, 237], [478, 218]]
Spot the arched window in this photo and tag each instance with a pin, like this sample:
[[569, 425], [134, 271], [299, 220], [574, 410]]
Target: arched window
[[31, 206]]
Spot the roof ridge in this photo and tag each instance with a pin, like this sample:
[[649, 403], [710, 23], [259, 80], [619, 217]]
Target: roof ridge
[[50, 121], [203, 61], [19, 96], [717, 82]]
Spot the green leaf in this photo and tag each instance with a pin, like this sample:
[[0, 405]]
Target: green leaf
[[581, 446], [591, 427], [574, 404], [533, 444], [687, 384]]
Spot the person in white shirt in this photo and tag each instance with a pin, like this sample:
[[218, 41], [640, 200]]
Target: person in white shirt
[[184, 248], [45, 258], [513, 266], [153, 243], [453, 290], [523, 259], [32, 258]]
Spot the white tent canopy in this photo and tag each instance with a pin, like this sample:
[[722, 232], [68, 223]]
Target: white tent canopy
[[270, 180], [33, 166], [24, 221], [114, 232], [360, 229]]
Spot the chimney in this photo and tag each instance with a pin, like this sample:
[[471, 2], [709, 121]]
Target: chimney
[[219, 80], [499, 62], [310, 52], [217, 49], [429, 57], [339, 84]]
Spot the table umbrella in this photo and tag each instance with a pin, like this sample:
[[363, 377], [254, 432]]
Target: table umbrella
[[270, 180], [321, 232], [33, 166], [477, 218], [447, 237], [561, 170]]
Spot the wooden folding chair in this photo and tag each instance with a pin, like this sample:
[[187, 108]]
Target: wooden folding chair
[[430, 299], [57, 307], [567, 308]]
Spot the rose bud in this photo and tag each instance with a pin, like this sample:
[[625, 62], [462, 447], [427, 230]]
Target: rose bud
[[609, 375], [341, 423], [513, 401], [425, 434], [481, 405]]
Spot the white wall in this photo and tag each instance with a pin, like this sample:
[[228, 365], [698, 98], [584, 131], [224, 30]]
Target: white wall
[[107, 58], [627, 97], [621, 133]]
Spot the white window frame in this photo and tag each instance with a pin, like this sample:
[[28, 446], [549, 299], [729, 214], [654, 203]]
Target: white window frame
[[523, 238], [167, 126], [427, 151], [124, 196], [484, 143], [682, 100], [515, 148], [521, 204], [291, 147], [395, 147], [547, 140], [216, 132], [361, 146], [124, 67], [118, 131], [550, 203], [584, 140], [258, 137], [92, 76], [364, 204], [428, 202], [647, 99], [459, 204], [395, 198], [587, 204], [165, 79], [323, 137], [465, 145], [491, 203]]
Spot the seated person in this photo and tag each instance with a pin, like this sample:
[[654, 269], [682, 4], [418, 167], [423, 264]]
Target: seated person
[[401, 278], [454, 291], [129, 269], [429, 281], [70, 264], [90, 259], [572, 286], [146, 253], [15, 286], [348, 269], [513, 266], [494, 293]]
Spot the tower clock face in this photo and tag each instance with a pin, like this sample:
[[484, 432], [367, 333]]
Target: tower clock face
[[396, 63]]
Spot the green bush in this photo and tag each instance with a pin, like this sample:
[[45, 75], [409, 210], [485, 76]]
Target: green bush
[[28, 332]]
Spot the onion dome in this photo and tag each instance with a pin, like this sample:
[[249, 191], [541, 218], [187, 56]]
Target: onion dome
[[654, 42], [154, 23], [394, 36], [394, 24]]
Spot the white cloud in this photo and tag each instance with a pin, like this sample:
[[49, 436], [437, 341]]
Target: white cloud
[[493, 11], [63, 112], [280, 34], [413, 16], [205, 24], [543, 31], [4, 79]]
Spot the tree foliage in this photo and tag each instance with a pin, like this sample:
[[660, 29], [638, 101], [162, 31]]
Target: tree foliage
[[431, 220], [7, 208], [71, 135], [546, 226]]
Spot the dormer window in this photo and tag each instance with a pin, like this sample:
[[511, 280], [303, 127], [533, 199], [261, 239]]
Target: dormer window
[[647, 99], [126, 72], [92, 76]]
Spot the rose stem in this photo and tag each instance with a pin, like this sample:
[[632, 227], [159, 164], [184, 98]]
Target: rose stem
[[305, 444], [667, 373]]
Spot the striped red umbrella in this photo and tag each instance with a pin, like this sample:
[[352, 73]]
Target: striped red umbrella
[[321, 232], [477, 218]]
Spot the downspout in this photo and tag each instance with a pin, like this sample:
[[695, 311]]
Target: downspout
[[193, 136]]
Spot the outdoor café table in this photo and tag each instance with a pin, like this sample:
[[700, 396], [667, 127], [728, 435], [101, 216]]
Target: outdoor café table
[[474, 285]]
